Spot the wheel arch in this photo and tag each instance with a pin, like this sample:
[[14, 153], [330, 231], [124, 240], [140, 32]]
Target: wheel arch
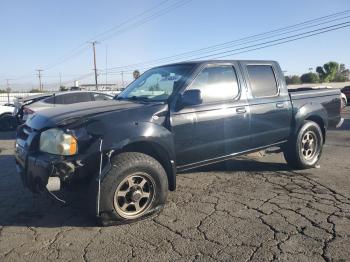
[[320, 122], [313, 112], [155, 150]]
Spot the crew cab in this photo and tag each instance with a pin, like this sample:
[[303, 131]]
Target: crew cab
[[172, 118]]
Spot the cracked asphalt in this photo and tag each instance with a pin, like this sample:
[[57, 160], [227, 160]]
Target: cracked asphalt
[[247, 209]]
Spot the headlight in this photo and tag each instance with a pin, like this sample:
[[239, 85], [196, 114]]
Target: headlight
[[55, 141]]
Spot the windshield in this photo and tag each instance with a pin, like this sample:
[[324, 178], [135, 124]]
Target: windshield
[[157, 84]]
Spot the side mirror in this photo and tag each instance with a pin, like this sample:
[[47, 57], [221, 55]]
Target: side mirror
[[191, 97]]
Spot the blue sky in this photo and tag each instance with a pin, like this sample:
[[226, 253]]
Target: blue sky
[[37, 34]]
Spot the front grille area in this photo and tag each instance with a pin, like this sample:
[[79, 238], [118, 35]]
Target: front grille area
[[23, 132]]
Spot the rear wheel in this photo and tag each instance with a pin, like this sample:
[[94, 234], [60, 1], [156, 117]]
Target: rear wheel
[[134, 189], [304, 150]]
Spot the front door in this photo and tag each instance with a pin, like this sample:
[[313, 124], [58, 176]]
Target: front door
[[219, 126]]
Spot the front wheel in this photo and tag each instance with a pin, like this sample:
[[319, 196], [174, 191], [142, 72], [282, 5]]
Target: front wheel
[[305, 149], [135, 188]]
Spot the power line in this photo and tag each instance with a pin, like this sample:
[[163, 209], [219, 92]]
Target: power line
[[129, 20], [241, 41], [146, 19], [283, 38], [265, 44], [287, 41], [78, 51], [82, 47], [274, 42], [238, 42], [271, 43]]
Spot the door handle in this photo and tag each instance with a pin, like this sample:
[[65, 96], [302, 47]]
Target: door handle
[[241, 110], [280, 105]]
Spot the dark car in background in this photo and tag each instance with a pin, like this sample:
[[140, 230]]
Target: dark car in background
[[59, 99], [346, 91], [26, 106], [21, 102]]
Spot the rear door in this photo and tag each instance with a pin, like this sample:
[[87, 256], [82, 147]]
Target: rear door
[[270, 105]]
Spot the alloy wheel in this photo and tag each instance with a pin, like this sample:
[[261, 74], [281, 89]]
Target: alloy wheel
[[134, 195]]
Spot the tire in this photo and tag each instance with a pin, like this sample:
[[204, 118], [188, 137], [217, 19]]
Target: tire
[[135, 188], [304, 150]]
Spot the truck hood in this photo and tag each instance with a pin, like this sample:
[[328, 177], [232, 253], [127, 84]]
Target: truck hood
[[57, 116]]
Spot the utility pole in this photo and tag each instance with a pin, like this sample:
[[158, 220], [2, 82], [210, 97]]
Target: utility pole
[[7, 84], [39, 75], [95, 69], [106, 64], [60, 80], [8, 90], [122, 73]]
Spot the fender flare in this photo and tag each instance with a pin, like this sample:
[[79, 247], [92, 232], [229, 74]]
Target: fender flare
[[164, 155]]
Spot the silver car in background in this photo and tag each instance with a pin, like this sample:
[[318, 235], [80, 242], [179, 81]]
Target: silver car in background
[[7, 109]]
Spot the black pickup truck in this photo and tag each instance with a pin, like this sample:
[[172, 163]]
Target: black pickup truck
[[172, 118]]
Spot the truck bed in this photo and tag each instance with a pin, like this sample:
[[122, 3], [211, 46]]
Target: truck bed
[[328, 97]]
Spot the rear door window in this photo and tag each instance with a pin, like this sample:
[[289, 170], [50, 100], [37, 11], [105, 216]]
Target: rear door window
[[69, 98], [76, 98], [54, 100], [262, 80]]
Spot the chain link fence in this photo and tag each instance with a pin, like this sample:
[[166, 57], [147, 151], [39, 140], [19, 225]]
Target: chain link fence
[[9, 98]]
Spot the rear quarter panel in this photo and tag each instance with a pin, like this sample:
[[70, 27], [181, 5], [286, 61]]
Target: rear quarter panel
[[322, 103]]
